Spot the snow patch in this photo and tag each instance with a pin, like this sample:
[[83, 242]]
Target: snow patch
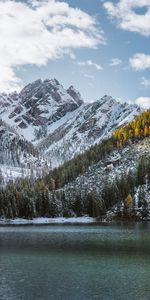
[[41, 221]]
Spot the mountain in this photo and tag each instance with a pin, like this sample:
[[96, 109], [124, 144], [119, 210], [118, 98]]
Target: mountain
[[14, 149], [18, 157], [57, 120], [88, 125], [100, 151], [39, 104], [110, 180]]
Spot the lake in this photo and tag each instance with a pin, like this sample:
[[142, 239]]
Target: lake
[[75, 262]]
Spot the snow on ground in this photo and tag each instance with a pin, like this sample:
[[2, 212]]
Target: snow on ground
[[11, 173], [90, 124], [36, 221]]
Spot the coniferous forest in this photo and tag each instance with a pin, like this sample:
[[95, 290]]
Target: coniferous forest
[[48, 197]]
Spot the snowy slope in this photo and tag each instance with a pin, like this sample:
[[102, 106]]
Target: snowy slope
[[89, 124], [120, 162], [38, 106], [18, 157], [58, 122]]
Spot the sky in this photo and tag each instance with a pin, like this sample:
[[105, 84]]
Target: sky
[[99, 46]]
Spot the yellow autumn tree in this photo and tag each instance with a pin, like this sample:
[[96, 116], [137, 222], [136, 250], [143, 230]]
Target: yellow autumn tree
[[129, 201], [137, 132], [146, 131]]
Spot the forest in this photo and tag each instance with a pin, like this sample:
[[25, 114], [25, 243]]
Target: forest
[[121, 137], [47, 197], [29, 198]]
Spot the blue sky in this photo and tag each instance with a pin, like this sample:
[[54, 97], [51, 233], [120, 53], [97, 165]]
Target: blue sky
[[114, 61]]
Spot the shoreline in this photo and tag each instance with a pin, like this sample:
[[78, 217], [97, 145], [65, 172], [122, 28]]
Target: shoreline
[[66, 221], [46, 221]]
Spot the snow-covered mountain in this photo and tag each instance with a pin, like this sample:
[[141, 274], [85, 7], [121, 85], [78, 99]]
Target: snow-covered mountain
[[39, 105], [18, 157], [57, 120], [14, 149], [89, 124], [110, 172]]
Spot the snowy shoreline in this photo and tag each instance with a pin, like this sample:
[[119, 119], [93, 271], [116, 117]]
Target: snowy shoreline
[[44, 221], [62, 220]]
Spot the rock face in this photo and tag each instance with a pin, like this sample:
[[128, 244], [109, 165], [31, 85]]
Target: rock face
[[14, 149], [58, 122], [88, 125], [75, 95], [40, 103]]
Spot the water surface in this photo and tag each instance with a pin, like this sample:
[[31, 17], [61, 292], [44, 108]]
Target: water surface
[[72, 262]]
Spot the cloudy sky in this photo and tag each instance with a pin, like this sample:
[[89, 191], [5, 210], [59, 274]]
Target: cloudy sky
[[101, 47]]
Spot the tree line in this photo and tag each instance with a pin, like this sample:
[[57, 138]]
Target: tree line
[[47, 196], [131, 133], [29, 198]]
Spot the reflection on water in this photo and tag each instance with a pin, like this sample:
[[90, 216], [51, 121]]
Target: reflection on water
[[75, 262]]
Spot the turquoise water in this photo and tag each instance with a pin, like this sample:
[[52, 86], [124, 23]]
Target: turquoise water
[[72, 262]]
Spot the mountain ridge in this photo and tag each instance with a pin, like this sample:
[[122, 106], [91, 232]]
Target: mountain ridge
[[109, 181], [58, 122]]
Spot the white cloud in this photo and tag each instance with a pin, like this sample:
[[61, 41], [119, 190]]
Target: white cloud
[[90, 63], [36, 32], [89, 76], [145, 81], [124, 12], [140, 61], [143, 102], [115, 62], [8, 79]]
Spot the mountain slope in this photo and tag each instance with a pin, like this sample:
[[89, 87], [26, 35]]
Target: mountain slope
[[39, 104], [18, 157], [117, 186], [90, 124], [58, 122]]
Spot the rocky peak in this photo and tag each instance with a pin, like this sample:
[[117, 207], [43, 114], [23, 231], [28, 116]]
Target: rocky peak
[[45, 112], [53, 82], [29, 90], [49, 90], [75, 95], [39, 103], [106, 99]]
